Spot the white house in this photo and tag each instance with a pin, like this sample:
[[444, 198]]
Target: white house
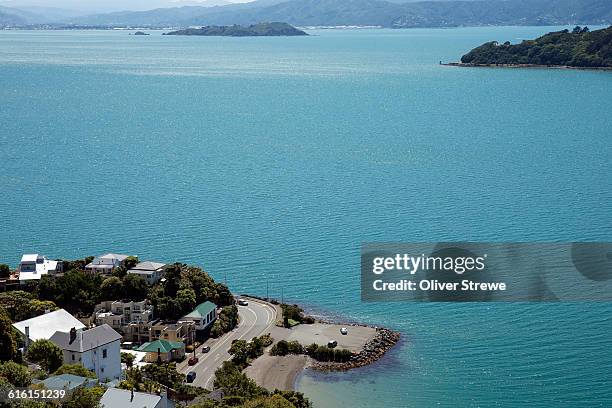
[[105, 264], [118, 398], [151, 271], [203, 315], [96, 349], [34, 266], [44, 326]]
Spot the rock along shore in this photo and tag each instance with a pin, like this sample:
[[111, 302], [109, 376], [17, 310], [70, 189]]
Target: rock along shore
[[372, 351]]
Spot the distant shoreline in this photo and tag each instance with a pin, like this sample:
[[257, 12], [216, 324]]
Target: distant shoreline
[[471, 65]]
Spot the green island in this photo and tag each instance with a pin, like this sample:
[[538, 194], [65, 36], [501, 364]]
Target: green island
[[579, 48], [255, 30]]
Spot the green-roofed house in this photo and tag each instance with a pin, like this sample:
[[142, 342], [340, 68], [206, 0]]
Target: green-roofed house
[[163, 350], [203, 315]]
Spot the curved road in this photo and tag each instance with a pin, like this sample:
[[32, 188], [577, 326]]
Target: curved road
[[255, 319]]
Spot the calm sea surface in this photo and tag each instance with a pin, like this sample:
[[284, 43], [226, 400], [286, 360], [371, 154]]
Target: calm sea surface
[[272, 159]]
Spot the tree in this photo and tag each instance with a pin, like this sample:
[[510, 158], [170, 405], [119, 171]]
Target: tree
[[274, 401], [173, 280], [45, 353], [85, 398], [130, 262], [111, 288], [240, 352], [35, 308], [164, 373], [75, 369], [8, 346], [235, 383], [127, 359], [5, 271], [16, 374], [185, 302], [134, 287]]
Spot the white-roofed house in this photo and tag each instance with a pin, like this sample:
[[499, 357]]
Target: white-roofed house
[[118, 398], [45, 325], [97, 349], [152, 272], [34, 266], [105, 264]]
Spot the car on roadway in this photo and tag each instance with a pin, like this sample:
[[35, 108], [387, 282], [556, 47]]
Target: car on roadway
[[193, 361], [332, 343], [205, 349], [344, 331], [190, 377], [242, 302]]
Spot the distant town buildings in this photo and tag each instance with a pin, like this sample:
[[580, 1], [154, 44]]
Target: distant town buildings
[[152, 272], [97, 349], [105, 264]]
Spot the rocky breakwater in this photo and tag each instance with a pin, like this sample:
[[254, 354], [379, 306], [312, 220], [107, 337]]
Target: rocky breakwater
[[372, 351]]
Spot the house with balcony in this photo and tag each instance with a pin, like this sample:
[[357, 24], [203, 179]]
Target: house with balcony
[[105, 264], [181, 331], [34, 266], [97, 349], [152, 272], [117, 313], [131, 318]]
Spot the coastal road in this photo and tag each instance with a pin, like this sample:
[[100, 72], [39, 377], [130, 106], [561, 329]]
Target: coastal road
[[255, 319]]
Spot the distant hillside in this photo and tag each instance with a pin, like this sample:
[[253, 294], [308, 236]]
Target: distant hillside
[[419, 14], [255, 30], [370, 12], [14, 17], [578, 48]]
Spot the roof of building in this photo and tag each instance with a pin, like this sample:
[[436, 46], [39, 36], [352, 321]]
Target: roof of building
[[118, 398], [44, 326], [107, 260], [163, 346], [202, 310], [86, 339], [42, 268], [30, 257], [67, 382], [147, 267]]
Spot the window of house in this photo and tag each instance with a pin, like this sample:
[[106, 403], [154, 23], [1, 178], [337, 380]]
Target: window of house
[[104, 353]]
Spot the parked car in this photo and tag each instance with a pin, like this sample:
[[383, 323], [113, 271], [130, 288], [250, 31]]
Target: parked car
[[344, 331], [332, 343], [205, 349], [193, 361], [242, 302], [190, 376]]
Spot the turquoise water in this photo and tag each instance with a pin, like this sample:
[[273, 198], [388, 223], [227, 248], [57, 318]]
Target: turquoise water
[[272, 159]]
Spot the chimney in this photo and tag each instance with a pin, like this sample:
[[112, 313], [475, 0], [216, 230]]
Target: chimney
[[73, 334], [27, 338]]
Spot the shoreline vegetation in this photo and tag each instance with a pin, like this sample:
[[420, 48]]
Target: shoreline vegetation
[[580, 49]]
